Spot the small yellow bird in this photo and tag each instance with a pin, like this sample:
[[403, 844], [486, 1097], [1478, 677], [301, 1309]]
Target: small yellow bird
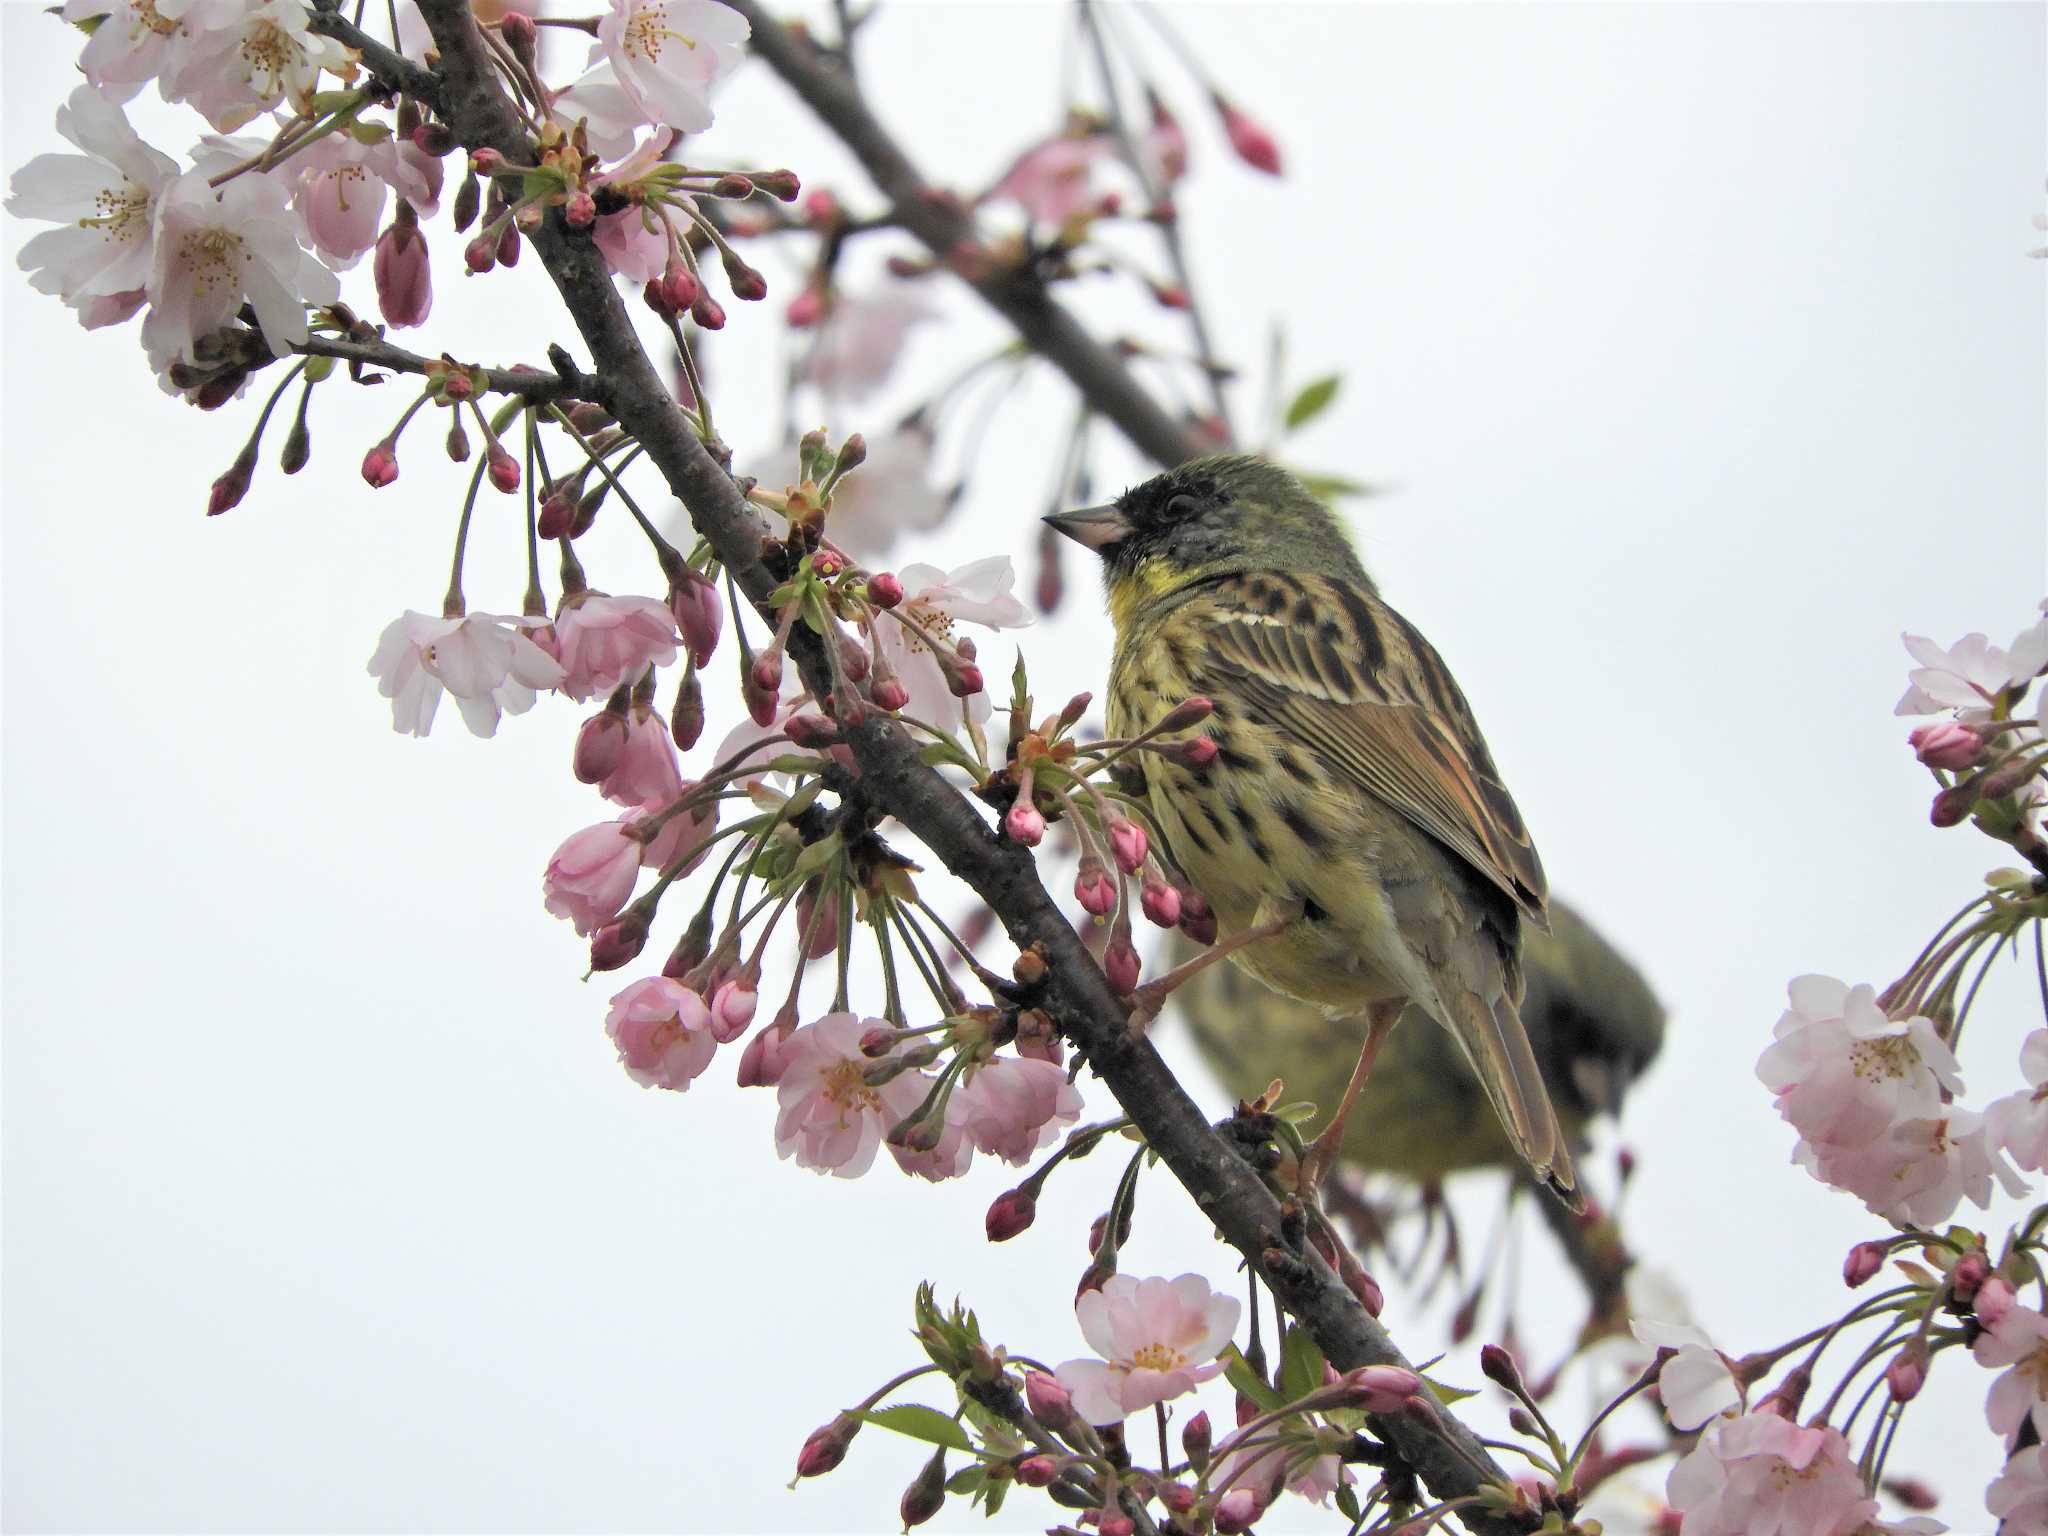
[[1351, 833]]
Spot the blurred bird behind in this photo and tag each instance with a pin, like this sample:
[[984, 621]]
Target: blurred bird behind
[[1593, 1023]]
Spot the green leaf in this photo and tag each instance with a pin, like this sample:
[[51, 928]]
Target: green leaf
[[922, 1423], [1450, 1397], [1301, 1364], [1239, 1373], [369, 133], [1347, 1503], [967, 1479], [1312, 401]]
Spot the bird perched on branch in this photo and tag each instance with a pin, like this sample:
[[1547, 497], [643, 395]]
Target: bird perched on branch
[[1351, 834], [1592, 1020]]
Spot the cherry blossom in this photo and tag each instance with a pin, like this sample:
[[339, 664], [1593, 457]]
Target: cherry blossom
[[487, 661], [667, 55], [605, 642], [1695, 1384], [1965, 677], [662, 1031], [947, 1158], [2028, 654], [635, 240], [1012, 1107], [611, 122], [590, 877], [2015, 1337], [861, 339], [975, 593], [2018, 1497], [219, 248], [829, 1117], [682, 836], [248, 57], [1262, 1471], [1050, 181], [648, 773], [341, 187], [104, 202], [1762, 1475], [1157, 1339], [136, 41], [2019, 1121]]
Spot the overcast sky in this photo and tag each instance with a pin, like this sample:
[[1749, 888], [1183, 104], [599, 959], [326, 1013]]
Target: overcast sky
[[1701, 350]]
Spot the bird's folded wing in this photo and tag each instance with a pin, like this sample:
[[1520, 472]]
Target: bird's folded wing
[[1361, 688]]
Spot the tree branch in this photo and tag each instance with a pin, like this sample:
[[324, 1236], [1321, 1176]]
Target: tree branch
[[936, 219], [1446, 1455], [531, 384]]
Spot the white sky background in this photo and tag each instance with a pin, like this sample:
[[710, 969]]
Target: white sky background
[[1703, 351]]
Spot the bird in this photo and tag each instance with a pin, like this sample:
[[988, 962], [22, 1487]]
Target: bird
[[1351, 833], [1593, 1022]]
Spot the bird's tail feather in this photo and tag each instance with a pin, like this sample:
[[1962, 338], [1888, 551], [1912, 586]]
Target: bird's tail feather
[[1498, 1046]]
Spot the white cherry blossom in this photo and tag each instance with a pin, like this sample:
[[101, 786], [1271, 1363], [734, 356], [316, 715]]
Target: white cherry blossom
[[937, 602], [667, 55], [248, 58], [488, 662]]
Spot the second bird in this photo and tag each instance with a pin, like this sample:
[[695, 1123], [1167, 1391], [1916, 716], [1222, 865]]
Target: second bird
[[1351, 833]]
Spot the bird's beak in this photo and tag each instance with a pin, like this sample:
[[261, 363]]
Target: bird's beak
[[1095, 527]]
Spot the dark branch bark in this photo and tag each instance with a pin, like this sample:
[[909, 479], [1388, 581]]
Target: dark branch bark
[[532, 384], [1018, 296], [1447, 1457]]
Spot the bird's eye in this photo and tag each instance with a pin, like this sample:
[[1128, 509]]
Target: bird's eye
[[1182, 505]]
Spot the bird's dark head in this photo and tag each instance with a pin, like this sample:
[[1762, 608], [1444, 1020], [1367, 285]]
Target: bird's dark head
[[1233, 512]]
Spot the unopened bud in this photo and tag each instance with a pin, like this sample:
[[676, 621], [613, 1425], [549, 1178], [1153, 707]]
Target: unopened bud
[[1197, 918], [501, 466], [1050, 1403], [1953, 804], [926, 1494], [433, 139], [1864, 1261], [680, 288], [826, 1447], [1907, 1373], [517, 28], [557, 514], [600, 747], [744, 281], [1127, 841], [1253, 144], [761, 1062], [1120, 963], [885, 590], [889, 694], [618, 943], [233, 485], [456, 444], [1197, 751], [1115, 1524], [1023, 823], [486, 161], [1946, 744], [963, 680], [780, 185], [1498, 1366], [708, 312], [1236, 1511], [1969, 1275], [1381, 1388], [1037, 1471], [686, 720], [508, 246], [481, 254], [1911, 1492], [1008, 1214], [380, 465], [811, 731], [1196, 1438], [298, 447], [467, 198], [1160, 901], [580, 212]]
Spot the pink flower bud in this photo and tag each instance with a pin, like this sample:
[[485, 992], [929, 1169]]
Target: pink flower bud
[[1953, 804], [811, 732], [1120, 963], [963, 680], [766, 675], [885, 589], [1094, 889], [783, 186], [708, 312], [744, 281], [503, 469], [580, 212], [1115, 1524], [1947, 744], [1050, 1403], [1254, 145], [1196, 1438], [1160, 901], [1864, 1261], [380, 465], [1074, 709], [655, 297], [926, 1495], [1907, 1373], [1178, 1497], [1498, 1367], [618, 943], [1037, 1471], [557, 514], [827, 1447], [508, 246], [1127, 841], [600, 748], [1197, 751], [487, 161], [805, 310], [232, 486], [679, 287], [404, 276], [1995, 1299], [1236, 1511], [1010, 1213], [456, 384], [1969, 1275], [1385, 1388], [517, 28], [732, 1009], [889, 694], [1170, 295], [1197, 919], [481, 254], [1023, 824], [433, 139]]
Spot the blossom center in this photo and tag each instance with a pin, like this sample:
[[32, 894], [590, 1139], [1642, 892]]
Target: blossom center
[[1157, 1357], [1889, 1058], [343, 179], [648, 30], [145, 15], [216, 257], [123, 212], [848, 1088], [933, 619], [268, 51]]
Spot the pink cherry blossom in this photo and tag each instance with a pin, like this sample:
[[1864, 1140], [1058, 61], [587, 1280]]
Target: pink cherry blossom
[[341, 186], [1260, 1471], [247, 58], [668, 54], [404, 274], [103, 202], [604, 643], [2017, 1340], [1919, 1170], [590, 877], [662, 1031], [216, 250], [2019, 1121], [682, 836], [1050, 181], [595, 98], [487, 661], [947, 1158], [635, 241], [1762, 1475], [938, 601], [732, 1008], [829, 1117], [2028, 654], [1965, 677], [648, 773], [1157, 1338], [1012, 1108], [2018, 1497], [136, 41], [1695, 1384], [860, 341]]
